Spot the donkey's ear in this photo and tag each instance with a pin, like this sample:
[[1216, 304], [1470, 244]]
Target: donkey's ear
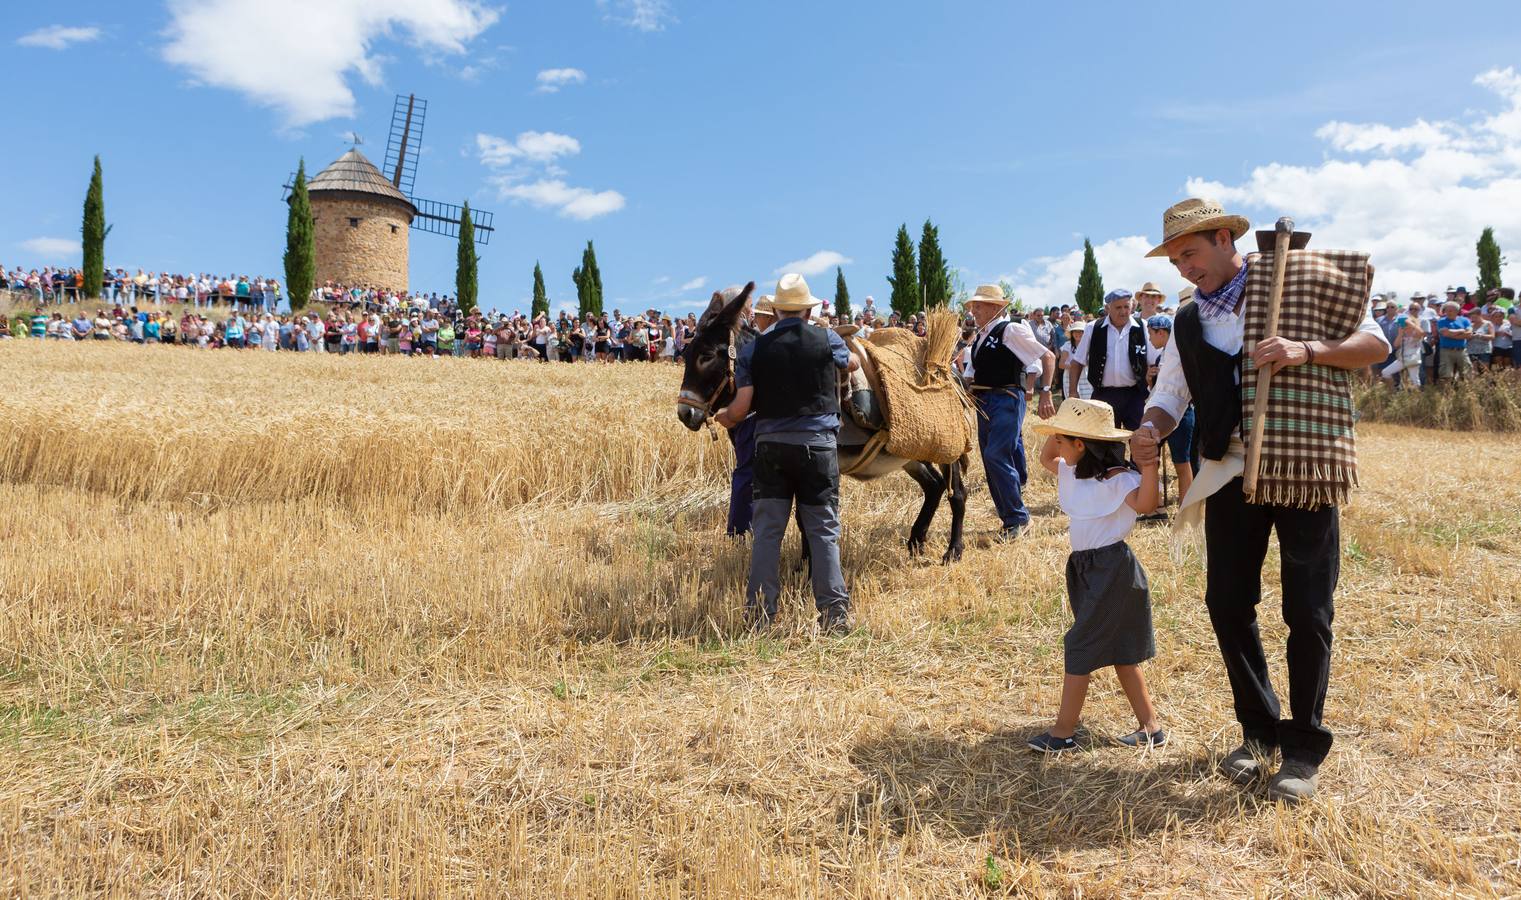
[[714, 305], [738, 303]]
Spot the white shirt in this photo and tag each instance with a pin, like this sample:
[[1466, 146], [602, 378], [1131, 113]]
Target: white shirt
[[1117, 371], [1100, 516], [1017, 339], [1225, 332]]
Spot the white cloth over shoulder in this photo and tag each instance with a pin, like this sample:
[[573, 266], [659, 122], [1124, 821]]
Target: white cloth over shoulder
[[1100, 516]]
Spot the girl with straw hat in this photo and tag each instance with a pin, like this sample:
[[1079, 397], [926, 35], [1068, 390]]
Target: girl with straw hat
[[1111, 603]]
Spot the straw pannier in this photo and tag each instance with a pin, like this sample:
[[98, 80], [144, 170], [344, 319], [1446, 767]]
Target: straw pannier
[[929, 416]]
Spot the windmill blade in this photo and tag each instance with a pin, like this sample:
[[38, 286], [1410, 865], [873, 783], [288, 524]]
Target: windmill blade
[[405, 142], [435, 217]]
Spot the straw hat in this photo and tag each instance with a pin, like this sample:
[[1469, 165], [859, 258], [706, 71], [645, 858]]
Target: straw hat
[[764, 305], [792, 295], [1091, 419], [989, 293], [1150, 288], [1185, 295], [1193, 216]]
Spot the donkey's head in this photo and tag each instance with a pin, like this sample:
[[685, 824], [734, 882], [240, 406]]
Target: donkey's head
[[707, 383]]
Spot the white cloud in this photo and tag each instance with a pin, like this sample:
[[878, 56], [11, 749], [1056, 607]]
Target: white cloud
[[527, 171], [553, 193], [52, 248], [817, 264], [57, 37], [696, 284], [551, 80], [1415, 196], [1418, 214], [310, 82], [531, 146], [641, 15], [1122, 262]]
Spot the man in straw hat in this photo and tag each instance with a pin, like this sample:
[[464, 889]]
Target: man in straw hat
[[1150, 299], [1116, 354], [788, 376], [1324, 326], [995, 366]]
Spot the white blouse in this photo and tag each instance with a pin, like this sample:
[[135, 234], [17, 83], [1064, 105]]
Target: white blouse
[[1100, 516]]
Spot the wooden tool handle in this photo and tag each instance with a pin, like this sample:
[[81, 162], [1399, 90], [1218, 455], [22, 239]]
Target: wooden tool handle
[[1283, 233]]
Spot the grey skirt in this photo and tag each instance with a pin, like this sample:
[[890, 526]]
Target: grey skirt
[[1111, 610]]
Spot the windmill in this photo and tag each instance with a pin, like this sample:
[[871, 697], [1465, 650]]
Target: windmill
[[362, 217]]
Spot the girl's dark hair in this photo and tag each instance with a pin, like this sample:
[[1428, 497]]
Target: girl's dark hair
[[1099, 457]]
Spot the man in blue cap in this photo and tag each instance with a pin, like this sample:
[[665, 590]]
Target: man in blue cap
[[1116, 354]]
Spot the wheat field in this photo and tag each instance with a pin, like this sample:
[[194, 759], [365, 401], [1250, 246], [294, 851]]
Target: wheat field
[[278, 625]]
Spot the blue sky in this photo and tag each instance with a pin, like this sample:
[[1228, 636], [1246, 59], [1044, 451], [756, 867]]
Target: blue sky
[[701, 144]]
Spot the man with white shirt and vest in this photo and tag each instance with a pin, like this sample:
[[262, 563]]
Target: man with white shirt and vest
[[789, 377], [1116, 353], [995, 366], [1308, 464]]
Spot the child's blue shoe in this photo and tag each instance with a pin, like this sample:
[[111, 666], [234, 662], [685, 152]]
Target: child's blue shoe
[[1046, 743], [1140, 738]]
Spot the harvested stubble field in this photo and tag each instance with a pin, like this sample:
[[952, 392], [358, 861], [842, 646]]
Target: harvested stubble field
[[278, 625]]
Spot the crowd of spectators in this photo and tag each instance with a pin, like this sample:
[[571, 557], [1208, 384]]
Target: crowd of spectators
[[1447, 337], [1433, 337]]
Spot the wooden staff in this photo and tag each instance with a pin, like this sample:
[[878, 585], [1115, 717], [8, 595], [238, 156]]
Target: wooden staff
[[1282, 235]]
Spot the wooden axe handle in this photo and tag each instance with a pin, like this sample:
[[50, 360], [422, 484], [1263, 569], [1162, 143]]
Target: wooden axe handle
[[1285, 232]]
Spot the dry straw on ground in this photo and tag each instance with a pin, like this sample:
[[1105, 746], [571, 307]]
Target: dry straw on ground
[[278, 625]]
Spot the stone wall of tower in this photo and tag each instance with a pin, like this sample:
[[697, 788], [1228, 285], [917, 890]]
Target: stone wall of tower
[[360, 240]]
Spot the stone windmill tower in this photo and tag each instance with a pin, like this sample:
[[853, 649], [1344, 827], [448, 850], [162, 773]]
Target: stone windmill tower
[[362, 219]]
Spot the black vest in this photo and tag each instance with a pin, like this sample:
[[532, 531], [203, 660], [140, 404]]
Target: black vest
[[993, 364], [1098, 352], [793, 373], [1211, 374]]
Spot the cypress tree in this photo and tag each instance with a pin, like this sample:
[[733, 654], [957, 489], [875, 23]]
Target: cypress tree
[[540, 298], [1489, 264], [588, 280], [934, 275], [300, 244], [465, 284], [1090, 285], [93, 235], [841, 296], [905, 298]]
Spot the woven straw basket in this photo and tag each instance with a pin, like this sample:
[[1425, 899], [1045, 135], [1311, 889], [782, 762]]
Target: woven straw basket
[[929, 416]]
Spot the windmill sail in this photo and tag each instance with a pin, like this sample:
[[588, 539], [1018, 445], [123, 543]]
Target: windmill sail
[[405, 142], [444, 218]]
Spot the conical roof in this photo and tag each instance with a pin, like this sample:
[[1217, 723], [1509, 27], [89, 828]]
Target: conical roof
[[353, 172]]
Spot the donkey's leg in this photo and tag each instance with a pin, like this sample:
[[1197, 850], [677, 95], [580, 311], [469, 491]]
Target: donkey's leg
[[956, 474], [933, 483]]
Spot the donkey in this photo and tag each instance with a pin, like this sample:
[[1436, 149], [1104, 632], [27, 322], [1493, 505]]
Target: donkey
[[707, 385]]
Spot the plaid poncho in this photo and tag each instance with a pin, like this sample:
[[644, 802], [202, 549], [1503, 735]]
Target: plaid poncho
[[1309, 454]]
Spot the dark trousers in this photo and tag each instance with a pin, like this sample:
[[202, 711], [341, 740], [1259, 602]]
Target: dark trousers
[[1309, 542], [810, 477], [1129, 404], [1000, 435], [741, 500]]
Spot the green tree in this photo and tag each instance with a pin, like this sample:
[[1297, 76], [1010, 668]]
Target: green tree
[[540, 297], [300, 244], [588, 280], [1090, 285], [841, 296], [905, 299], [465, 269], [93, 235], [934, 275], [1489, 264]]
